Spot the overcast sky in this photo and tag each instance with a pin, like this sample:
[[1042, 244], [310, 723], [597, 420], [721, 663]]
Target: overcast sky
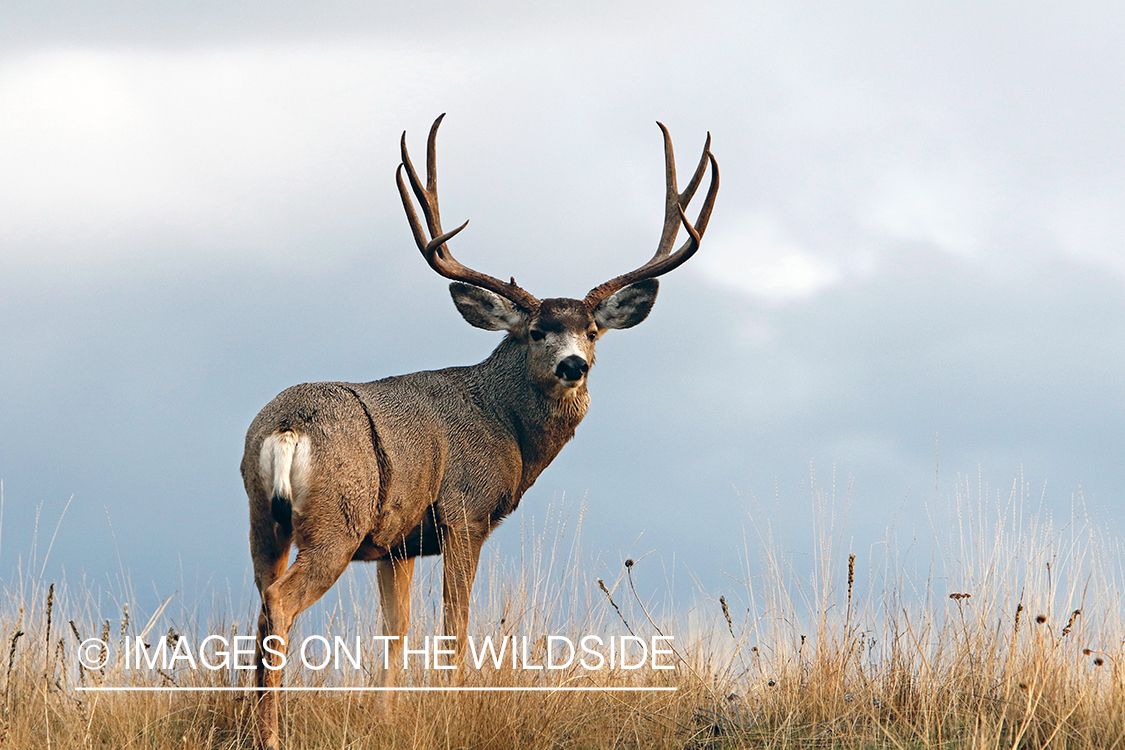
[[914, 271]]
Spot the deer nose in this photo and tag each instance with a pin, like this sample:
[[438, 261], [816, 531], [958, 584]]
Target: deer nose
[[571, 368]]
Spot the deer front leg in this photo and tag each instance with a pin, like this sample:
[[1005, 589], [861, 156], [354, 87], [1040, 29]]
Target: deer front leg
[[460, 554], [394, 597]]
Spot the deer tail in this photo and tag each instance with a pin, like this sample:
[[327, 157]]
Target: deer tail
[[284, 467]]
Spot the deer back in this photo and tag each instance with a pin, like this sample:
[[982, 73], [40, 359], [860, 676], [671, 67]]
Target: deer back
[[469, 440]]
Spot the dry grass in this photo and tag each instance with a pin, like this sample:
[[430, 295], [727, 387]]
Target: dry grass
[[1012, 638]]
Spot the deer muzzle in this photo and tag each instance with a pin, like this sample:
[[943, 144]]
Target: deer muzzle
[[572, 368]]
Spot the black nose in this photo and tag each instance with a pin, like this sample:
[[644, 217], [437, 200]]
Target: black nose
[[571, 368]]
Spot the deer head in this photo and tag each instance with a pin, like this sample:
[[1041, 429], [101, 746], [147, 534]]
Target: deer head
[[560, 333]]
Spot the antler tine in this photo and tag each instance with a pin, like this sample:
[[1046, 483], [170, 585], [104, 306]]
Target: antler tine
[[411, 216], [431, 155], [435, 251], [704, 216], [675, 202], [673, 198], [427, 196]]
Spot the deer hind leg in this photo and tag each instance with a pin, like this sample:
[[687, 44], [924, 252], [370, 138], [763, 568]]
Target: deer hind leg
[[395, 577], [270, 561], [314, 571], [266, 708], [269, 549]]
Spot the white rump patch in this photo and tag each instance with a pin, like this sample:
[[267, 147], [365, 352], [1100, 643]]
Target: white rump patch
[[284, 466]]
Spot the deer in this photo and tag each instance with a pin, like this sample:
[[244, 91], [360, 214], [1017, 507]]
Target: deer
[[431, 462]]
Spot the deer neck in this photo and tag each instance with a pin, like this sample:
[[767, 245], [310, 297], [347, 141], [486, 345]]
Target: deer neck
[[540, 423]]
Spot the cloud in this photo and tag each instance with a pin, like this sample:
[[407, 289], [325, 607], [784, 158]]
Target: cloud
[[1089, 227], [108, 152], [755, 255], [919, 207], [928, 206]]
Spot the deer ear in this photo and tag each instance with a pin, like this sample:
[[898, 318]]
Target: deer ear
[[484, 309], [627, 307]]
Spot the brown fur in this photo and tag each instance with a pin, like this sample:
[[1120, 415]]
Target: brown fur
[[430, 463], [441, 456]]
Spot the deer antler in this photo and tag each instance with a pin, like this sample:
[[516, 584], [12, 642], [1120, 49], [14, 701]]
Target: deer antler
[[435, 250], [675, 203]]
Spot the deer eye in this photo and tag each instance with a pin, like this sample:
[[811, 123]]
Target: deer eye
[[537, 335], [592, 335]]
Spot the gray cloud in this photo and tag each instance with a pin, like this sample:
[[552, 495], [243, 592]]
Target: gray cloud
[[915, 259]]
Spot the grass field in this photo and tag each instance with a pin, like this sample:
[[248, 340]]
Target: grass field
[[1013, 639]]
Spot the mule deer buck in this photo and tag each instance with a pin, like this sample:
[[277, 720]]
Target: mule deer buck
[[429, 463]]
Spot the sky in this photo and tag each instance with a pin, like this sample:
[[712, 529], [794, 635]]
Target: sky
[[910, 291]]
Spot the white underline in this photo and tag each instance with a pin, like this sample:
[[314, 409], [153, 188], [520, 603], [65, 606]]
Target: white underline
[[303, 689]]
